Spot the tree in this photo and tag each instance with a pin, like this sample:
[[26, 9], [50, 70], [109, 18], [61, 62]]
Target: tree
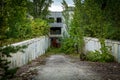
[[39, 8], [16, 24], [76, 28], [15, 21], [75, 42], [65, 12], [12, 17], [93, 21], [104, 15]]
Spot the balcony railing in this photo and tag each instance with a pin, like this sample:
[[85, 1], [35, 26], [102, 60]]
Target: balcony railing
[[56, 24], [55, 35]]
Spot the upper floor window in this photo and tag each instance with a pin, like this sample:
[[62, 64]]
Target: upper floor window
[[59, 20]]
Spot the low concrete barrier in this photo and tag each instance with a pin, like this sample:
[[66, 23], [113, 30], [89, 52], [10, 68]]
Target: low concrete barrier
[[92, 44], [36, 47]]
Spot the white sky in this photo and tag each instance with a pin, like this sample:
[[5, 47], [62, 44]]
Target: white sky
[[57, 6]]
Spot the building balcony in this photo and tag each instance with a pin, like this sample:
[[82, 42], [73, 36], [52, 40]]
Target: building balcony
[[55, 35], [56, 24]]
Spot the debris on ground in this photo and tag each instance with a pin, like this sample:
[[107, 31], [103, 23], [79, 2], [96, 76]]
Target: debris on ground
[[104, 71]]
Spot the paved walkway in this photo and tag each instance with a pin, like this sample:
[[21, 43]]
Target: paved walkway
[[59, 67]]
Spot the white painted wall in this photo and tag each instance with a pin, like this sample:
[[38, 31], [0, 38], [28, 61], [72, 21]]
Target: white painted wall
[[36, 47], [92, 44]]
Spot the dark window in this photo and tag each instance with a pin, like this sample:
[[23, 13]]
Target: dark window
[[51, 19], [55, 30], [59, 20]]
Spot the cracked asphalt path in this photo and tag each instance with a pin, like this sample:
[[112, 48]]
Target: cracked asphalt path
[[59, 67]]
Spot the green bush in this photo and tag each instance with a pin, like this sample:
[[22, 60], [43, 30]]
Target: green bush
[[93, 56], [6, 72], [39, 27], [67, 46], [107, 58], [97, 56]]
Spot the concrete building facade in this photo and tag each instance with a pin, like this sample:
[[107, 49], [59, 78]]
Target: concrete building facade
[[58, 29]]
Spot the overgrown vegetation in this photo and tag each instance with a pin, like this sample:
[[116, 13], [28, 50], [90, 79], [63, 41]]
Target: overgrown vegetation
[[39, 27], [100, 18], [53, 50], [75, 42], [6, 72], [97, 56], [18, 24], [67, 46], [39, 8], [94, 19], [20, 20], [96, 23]]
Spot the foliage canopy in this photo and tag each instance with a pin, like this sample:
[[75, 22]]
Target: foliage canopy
[[20, 20]]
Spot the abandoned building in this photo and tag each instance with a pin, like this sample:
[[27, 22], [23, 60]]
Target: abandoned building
[[58, 29]]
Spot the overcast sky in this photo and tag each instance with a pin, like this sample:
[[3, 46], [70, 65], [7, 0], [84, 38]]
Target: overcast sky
[[57, 6]]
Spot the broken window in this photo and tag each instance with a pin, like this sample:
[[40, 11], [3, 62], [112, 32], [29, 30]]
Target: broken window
[[55, 30]]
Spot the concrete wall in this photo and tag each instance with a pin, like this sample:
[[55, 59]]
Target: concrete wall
[[36, 47], [92, 44]]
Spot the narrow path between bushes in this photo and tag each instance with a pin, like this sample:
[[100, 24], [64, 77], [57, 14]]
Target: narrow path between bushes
[[64, 67], [59, 67]]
